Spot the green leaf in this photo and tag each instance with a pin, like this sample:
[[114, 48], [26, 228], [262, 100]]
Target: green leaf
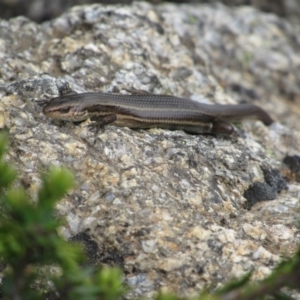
[[164, 296], [7, 174], [234, 284], [3, 143], [110, 285], [55, 185], [281, 296]]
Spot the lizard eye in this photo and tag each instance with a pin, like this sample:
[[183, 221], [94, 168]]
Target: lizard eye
[[65, 110]]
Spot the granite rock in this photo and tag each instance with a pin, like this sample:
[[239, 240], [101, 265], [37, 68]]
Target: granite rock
[[165, 206]]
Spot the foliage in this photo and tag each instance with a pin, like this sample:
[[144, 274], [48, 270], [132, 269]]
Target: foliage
[[29, 244], [38, 264]]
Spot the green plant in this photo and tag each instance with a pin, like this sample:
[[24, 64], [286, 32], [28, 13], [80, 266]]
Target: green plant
[[30, 245]]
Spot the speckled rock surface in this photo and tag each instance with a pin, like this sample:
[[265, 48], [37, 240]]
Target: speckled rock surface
[[167, 207], [42, 10]]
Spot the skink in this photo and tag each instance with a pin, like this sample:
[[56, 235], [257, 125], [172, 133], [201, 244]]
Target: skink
[[148, 111]]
